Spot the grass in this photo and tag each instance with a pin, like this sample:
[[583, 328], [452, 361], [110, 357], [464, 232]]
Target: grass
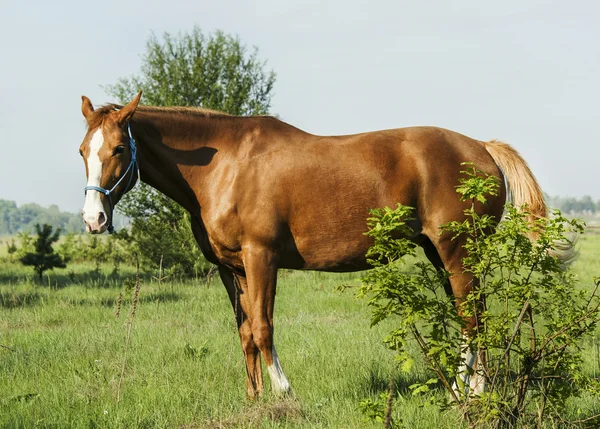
[[62, 351]]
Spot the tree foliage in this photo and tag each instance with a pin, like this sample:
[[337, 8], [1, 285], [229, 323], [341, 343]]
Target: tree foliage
[[44, 258], [161, 233], [533, 317], [215, 71]]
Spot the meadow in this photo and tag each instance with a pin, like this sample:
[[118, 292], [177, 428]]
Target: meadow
[[67, 360]]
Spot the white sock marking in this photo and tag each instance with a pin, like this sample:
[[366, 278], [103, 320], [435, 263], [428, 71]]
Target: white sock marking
[[474, 384], [279, 381]]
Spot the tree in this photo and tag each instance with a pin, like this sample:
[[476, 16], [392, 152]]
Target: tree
[[44, 257], [215, 72]]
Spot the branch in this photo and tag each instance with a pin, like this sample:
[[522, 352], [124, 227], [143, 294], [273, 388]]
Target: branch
[[436, 368], [576, 322], [512, 339]]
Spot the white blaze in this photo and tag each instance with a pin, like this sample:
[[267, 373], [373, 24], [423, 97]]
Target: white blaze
[[279, 382], [93, 205]]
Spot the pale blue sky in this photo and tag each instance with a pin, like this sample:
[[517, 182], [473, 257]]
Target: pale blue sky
[[526, 72]]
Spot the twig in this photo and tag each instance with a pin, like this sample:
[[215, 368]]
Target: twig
[[434, 365], [566, 328], [589, 419], [119, 301], [390, 401], [512, 339]]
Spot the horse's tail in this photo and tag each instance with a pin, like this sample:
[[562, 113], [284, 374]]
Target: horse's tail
[[523, 189]]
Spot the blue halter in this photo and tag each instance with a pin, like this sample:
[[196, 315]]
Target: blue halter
[[132, 167]]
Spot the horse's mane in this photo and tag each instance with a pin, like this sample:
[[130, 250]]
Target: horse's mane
[[100, 114]]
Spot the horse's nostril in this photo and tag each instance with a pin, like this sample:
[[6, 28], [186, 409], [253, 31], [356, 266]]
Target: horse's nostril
[[101, 218]]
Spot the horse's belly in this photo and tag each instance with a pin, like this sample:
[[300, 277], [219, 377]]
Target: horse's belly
[[327, 260], [334, 243], [327, 248]]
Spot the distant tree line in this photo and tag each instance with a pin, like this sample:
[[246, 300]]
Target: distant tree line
[[583, 205], [14, 219]]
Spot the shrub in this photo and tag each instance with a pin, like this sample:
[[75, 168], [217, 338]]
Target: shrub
[[533, 318]]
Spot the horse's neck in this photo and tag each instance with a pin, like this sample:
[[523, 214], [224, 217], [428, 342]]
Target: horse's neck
[[176, 154]]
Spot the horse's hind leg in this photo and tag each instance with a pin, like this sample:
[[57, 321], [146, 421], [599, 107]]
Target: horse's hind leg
[[251, 351], [451, 253]]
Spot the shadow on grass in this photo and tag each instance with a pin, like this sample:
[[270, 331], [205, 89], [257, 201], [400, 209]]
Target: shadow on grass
[[108, 302], [18, 299], [377, 382], [59, 279], [162, 296], [154, 297], [11, 300]]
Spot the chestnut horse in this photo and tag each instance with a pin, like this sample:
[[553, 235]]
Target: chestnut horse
[[265, 195]]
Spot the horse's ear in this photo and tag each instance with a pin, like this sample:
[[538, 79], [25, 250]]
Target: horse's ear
[[129, 109], [86, 107]]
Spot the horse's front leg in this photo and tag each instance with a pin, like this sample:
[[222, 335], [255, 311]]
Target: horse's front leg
[[236, 285], [261, 276]]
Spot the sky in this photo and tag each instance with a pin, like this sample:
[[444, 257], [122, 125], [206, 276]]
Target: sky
[[526, 72]]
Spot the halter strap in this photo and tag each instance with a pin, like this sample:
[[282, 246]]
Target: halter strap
[[133, 164]]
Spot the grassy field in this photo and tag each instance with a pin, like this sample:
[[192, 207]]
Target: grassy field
[[62, 353]]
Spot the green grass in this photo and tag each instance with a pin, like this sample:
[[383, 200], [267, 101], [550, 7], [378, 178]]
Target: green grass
[[62, 352]]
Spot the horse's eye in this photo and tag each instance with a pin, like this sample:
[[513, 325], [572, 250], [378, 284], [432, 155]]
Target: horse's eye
[[119, 149]]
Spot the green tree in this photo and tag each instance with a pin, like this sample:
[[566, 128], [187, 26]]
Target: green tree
[[44, 257], [215, 71]]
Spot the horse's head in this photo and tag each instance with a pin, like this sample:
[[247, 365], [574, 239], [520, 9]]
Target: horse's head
[[109, 155]]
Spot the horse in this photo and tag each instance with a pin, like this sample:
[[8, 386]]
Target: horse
[[264, 195]]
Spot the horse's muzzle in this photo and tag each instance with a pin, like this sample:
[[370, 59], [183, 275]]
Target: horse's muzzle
[[95, 223]]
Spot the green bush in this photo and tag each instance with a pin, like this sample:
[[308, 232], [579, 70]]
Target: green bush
[[532, 316]]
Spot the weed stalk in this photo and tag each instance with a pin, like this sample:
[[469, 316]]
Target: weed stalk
[[134, 305]]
